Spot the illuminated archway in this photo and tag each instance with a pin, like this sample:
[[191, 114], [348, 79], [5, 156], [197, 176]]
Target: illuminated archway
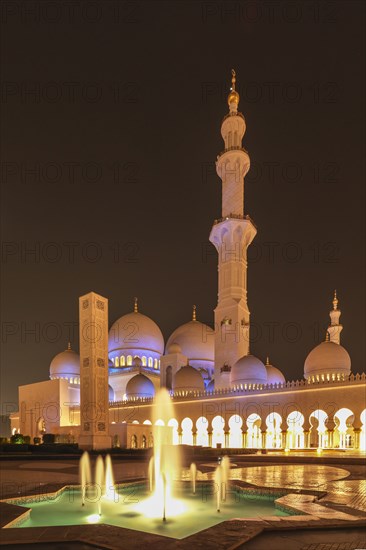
[[363, 431], [273, 432], [160, 422], [295, 421], [318, 432], [235, 437], [202, 434], [187, 436], [148, 422], [218, 435], [254, 431], [174, 424], [343, 432]]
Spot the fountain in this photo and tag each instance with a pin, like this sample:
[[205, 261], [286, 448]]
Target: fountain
[[166, 504], [110, 492], [151, 473], [99, 482], [84, 474], [193, 470], [164, 465], [225, 474], [218, 483]]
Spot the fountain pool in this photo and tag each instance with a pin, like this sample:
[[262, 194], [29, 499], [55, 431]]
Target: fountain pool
[[168, 503], [129, 509]]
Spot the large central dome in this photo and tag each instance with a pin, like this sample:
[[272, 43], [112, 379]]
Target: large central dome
[[196, 341], [135, 334]]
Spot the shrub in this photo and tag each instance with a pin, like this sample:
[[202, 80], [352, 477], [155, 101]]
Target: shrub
[[17, 439], [48, 438]]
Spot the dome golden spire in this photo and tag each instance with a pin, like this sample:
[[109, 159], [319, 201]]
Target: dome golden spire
[[194, 315], [233, 97], [267, 361], [335, 301], [68, 346], [327, 337], [135, 306]]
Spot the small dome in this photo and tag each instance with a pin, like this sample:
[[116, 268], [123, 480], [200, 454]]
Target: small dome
[[174, 348], [196, 341], [140, 386], [65, 364], [274, 375], [135, 332], [327, 358], [188, 379], [248, 370]]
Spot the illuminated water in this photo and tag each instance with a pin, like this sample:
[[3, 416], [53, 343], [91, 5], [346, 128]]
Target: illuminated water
[[198, 511], [162, 505]]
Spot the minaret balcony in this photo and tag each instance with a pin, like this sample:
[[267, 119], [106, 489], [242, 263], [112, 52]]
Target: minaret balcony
[[232, 113], [232, 148], [233, 216]]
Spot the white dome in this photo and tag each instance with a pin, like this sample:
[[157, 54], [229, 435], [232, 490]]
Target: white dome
[[135, 332], [274, 375], [140, 386], [188, 379], [65, 364], [327, 358], [248, 370], [196, 341]]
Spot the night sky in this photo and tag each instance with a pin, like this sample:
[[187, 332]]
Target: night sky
[[110, 128]]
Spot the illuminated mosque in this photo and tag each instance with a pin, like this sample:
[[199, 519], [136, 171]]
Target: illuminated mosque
[[223, 395]]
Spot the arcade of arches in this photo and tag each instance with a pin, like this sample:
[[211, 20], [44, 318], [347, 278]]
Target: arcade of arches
[[342, 429]]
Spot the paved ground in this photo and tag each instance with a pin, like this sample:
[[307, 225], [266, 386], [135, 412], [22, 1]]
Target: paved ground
[[331, 539]]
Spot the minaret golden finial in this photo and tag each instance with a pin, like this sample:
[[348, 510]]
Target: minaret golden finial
[[327, 337], [233, 97], [233, 79], [194, 316], [335, 301], [135, 306]]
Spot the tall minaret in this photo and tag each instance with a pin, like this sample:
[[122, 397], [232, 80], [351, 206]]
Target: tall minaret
[[335, 328], [231, 235]]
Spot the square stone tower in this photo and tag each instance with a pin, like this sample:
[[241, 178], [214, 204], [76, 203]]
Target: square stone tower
[[94, 404]]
